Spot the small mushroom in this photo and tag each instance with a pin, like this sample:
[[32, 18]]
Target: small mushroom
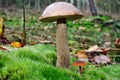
[[61, 12], [81, 65], [81, 56]]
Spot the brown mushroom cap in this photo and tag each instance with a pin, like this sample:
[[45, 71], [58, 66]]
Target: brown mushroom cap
[[79, 63], [81, 55], [60, 10]]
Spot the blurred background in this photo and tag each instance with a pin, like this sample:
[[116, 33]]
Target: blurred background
[[109, 7], [101, 20]]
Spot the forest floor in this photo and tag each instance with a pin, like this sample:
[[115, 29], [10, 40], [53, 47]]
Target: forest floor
[[39, 60], [103, 28]]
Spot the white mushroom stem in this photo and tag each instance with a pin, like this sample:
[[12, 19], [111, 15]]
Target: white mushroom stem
[[62, 44]]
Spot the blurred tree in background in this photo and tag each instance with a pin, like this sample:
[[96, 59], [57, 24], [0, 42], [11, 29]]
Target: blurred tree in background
[[102, 6]]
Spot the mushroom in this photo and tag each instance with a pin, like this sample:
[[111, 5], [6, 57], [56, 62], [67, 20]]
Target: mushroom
[[61, 12], [81, 64], [81, 55]]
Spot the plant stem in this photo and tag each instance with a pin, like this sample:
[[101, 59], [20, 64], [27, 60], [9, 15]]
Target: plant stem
[[24, 31], [62, 44]]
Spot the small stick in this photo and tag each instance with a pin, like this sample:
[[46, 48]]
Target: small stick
[[24, 31]]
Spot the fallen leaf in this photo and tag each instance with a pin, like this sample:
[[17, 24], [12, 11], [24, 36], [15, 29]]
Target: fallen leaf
[[17, 44]]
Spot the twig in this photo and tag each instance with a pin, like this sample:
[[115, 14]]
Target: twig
[[3, 48], [114, 49], [24, 31], [43, 42], [47, 42]]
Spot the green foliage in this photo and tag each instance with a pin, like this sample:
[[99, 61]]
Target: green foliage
[[102, 73], [102, 17], [33, 63], [45, 54], [78, 30], [95, 29], [15, 70], [38, 63], [14, 22], [56, 74]]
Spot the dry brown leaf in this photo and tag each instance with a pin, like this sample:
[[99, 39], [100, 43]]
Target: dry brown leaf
[[3, 48], [81, 55], [17, 44]]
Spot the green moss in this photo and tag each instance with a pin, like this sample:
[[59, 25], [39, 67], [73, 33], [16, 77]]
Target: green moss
[[38, 63]]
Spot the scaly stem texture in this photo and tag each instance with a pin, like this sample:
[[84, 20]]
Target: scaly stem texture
[[62, 44]]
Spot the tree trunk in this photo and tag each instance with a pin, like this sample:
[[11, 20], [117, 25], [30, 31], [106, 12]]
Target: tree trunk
[[29, 4], [78, 4], [92, 7], [37, 4], [62, 44], [72, 1], [118, 1]]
